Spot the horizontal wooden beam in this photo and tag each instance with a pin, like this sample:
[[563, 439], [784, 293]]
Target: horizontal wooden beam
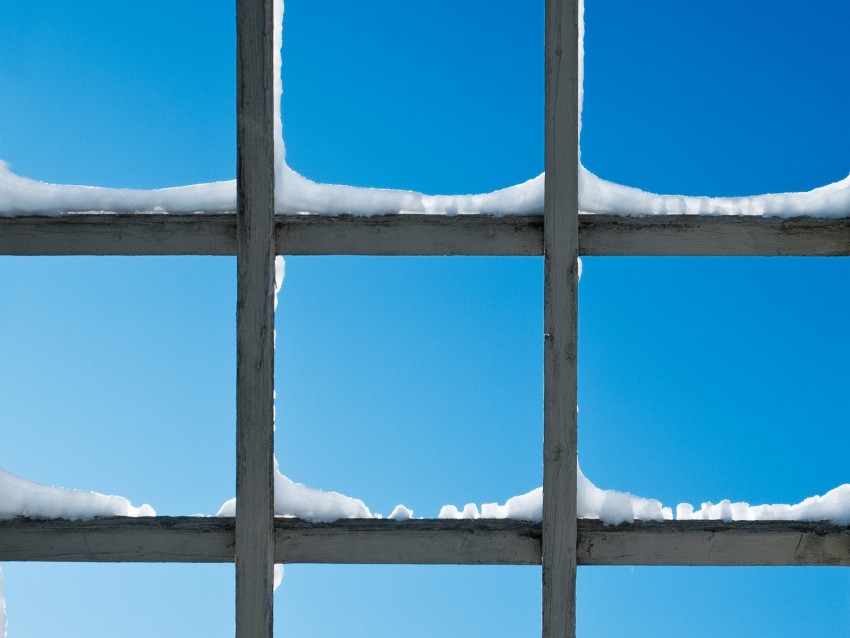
[[600, 235], [428, 541], [410, 235], [419, 542], [161, 539], [111, 234], [722, 236], [739, 543]]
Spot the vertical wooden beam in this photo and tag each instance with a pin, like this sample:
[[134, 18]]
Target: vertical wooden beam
[[560, 249], [254, 319]]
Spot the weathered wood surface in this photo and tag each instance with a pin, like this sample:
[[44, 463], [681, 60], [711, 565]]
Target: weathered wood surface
[[483, 541], [255, 243], [691, 235], [429, 541], [160, 539], [742, 543], [410, 235], [126, 234], [560, 319], [600, 235], [502, 542]]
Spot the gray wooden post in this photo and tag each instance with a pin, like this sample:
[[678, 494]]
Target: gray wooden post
[[560, 250], [254, 319]]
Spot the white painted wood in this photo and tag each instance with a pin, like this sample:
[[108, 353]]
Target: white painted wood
[[254, 319], [560, 316], [215, 234]]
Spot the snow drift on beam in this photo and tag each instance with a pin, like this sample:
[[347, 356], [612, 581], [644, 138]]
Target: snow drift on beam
[[609, 506], [834, 506], [19, 497], [295, 500], [297, 194], [24, 196], [612, 508]]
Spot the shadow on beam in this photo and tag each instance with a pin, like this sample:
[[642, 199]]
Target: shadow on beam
[[428, 541], [215, 234], [744, 543]]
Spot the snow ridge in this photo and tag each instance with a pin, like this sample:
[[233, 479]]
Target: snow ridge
[[297, 194], [20, 497]]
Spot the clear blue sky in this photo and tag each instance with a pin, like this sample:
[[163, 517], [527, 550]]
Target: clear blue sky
[[420, 380]]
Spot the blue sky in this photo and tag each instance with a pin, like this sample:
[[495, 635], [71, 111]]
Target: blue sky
[[420, 380]]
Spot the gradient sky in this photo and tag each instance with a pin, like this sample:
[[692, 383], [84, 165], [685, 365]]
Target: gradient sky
[[419, 380]]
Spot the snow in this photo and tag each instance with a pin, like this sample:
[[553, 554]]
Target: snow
[[527, 507], [23, 196], [295, 500], [613, 508], [20, 497], [401, 513], [600, 196], [278, 576], [834, 506], [297, 194], [609, 506]]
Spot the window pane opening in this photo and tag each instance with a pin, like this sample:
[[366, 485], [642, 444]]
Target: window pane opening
[[118, 377], [415, 381]]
